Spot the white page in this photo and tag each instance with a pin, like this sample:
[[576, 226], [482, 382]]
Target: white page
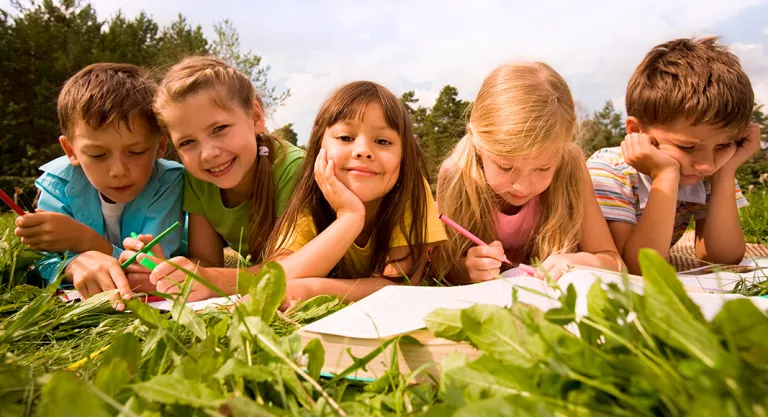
[[397, 309], [167, 305], [723, 278]]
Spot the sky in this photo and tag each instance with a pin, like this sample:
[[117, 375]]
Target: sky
[[314, 47]]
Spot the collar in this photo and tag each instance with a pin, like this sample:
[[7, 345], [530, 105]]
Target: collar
[[694, 193]]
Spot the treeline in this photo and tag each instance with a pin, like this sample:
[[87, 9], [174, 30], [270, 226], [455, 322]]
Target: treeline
[[44, 42]]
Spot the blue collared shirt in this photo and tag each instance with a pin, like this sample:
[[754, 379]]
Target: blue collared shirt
[[65, 189]]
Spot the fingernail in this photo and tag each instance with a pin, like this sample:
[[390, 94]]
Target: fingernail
[[140, 245]]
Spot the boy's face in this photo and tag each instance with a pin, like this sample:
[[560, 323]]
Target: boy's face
[[117, 161], [700, 150]]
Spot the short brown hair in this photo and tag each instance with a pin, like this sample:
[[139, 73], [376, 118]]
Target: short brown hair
[[693, 80], [106, 93]]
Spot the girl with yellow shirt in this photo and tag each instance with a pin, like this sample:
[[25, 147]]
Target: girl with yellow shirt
[[362, 215]]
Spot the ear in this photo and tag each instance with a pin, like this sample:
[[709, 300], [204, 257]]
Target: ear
[[633, 125], [68, 150], [258, 117], [162, 146]]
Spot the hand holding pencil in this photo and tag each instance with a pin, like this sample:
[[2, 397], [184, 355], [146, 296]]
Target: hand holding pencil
[[483, 262]]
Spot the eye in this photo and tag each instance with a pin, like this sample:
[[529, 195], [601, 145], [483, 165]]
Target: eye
[[544, 169], [345, 138], [138, 152], [384, 142], [506, 169], [686, 148], [185, 142], [725, 145], [219, 129], [97, 156]]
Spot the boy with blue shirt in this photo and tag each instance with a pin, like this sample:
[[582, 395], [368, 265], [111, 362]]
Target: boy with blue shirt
[[110, 183]]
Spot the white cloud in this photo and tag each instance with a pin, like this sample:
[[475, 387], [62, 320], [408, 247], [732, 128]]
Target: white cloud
[[765, 30], [314, 47]]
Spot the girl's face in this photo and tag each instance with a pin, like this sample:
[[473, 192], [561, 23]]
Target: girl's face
[[367, 153], [516, 180], [216, 145]]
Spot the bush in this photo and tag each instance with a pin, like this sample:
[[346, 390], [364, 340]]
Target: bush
[[754, 218], [25, 183], [749, 174]]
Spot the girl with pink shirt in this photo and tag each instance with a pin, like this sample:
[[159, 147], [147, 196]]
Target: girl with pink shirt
[[518, 180]]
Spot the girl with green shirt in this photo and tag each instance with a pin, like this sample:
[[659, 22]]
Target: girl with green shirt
[[238, 178]]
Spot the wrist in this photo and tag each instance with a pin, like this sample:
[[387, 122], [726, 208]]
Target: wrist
[[669, 177], [724, 174]]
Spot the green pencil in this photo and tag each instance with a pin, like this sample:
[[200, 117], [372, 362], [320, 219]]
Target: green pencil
[[149, 245]]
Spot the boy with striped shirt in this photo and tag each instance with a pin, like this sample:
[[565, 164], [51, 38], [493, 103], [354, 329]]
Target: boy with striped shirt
[[689, 106]]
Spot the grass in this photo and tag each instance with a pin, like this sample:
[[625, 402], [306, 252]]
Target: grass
[[754, 218]]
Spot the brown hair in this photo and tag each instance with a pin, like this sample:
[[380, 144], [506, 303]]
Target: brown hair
[[228, 87], [697, 81], [521, 109], [105, 93], [348, 103]]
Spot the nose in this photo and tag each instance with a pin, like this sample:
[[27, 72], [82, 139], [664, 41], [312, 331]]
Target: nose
[[362, 150], [209, 152], [118, 168], [704, 163], [522, 185]]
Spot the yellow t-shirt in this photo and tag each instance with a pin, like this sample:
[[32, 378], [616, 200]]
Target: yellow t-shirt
[[360, 258]]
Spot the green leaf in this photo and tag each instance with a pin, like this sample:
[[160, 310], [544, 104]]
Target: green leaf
[[245, 407], [745, 328], [172, 389], [64, 395], [446, 323], [315, 356], [125, 348], [149, 316], [267, 290], [513, 406], [189, 319], [672, 316], [235, 367], [496, 332], [112, 377]]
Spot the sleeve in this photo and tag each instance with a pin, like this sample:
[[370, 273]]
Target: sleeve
[[435, 229], [613, 190], [285, 182], [193, 195], [700, 212], [303, 232], [53, 198]]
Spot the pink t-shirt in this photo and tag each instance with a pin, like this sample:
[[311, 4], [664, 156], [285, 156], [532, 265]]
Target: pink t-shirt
[[516, 230]]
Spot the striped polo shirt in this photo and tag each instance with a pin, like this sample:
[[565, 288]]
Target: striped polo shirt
[[616, 186]]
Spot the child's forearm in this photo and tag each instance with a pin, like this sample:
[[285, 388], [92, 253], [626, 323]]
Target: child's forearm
[[721, 239], [346, 289], [656, 225], [604, 260], [318, 257]]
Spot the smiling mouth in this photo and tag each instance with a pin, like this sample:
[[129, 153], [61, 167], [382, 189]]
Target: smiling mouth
[[222, 167], [362, 171]]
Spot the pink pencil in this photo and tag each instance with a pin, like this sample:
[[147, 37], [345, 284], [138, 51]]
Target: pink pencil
[[525, 268]]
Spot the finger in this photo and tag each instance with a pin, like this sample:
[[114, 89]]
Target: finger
[[28, 231], [488, 252], [92, 286], [31, 220], [136, 268], [133, 245], [117, 276]]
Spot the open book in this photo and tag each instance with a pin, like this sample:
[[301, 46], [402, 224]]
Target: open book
[[723, 278], [397, 310]]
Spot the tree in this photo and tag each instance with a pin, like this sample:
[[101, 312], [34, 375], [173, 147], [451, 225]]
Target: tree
[[605, 129], [443, 126], [180, 40], [226, 46], [287, 134]]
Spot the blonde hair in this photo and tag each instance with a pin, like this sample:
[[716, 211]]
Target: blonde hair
[[521, 109], [228, 87]]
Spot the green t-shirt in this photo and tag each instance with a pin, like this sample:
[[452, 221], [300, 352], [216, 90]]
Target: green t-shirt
[[204, 199]]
